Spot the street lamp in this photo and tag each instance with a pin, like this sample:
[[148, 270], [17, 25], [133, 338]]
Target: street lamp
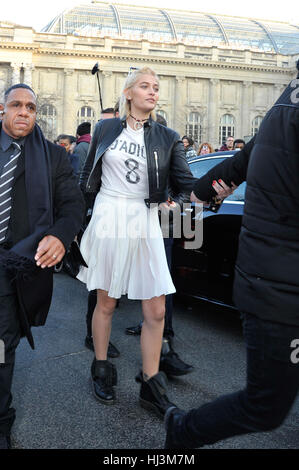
[[94, 71]]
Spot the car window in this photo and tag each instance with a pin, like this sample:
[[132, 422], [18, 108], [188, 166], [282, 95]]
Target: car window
[[201, 167]]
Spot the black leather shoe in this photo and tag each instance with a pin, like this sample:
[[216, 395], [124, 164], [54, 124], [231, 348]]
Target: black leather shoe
[[112, 350], [5, 442], [171, 363], [104, 377], [153, 394], [173, 421], [134, 330]]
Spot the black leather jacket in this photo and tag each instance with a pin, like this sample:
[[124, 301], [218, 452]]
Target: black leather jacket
[[165, 159]]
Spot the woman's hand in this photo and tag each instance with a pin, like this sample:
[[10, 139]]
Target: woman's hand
[[169, 205], [222, 189]]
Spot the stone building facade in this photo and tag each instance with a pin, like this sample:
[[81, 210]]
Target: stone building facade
[[206, 91]]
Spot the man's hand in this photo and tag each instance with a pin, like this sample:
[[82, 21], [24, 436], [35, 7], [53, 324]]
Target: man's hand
[[50, 251]]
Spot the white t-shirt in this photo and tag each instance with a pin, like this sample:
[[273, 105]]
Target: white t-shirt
[[124, 168]]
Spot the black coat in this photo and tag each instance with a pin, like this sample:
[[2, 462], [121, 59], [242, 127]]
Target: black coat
[[233, 169], [266, 276], [68, 205], [166, 160]]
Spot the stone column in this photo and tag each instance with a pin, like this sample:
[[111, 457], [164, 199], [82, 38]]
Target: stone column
[[69, 115], [3, 83], [245, 110], [277, 89], [107, 90], [28, 68], [213, 118], [15, 73], [179, 117]]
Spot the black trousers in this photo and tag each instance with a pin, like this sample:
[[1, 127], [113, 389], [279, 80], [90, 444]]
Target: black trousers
[[168, 330], [271, 389], [10, 336]]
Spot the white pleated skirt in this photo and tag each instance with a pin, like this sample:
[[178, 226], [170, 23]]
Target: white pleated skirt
[[124, 249]]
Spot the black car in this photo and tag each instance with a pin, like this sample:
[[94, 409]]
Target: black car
[[207, 272]]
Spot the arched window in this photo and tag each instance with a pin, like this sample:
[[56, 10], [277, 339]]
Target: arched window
[[47, 119], [193, 127], [226, 128], [256, 124], [86, 114], [163, 114]]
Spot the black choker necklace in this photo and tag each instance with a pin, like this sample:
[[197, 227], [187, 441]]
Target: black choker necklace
[[139, 122]]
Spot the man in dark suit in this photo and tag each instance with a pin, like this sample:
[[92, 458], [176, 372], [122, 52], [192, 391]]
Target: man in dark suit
[[41, 211]]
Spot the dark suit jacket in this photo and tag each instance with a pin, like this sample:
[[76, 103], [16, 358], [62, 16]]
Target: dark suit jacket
[[35, 295]]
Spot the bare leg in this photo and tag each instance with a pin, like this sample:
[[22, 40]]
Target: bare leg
[[101, 324], [151, 334]]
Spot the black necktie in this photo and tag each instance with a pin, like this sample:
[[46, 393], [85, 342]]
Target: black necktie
[[6, 181]]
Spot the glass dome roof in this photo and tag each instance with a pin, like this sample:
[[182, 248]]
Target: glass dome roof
[[166, 25]]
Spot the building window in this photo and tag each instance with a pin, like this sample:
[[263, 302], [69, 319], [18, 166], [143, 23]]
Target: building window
[[256, 124], [47, 119], [226, 128], [163, 114], [86, 114], [193, 127]]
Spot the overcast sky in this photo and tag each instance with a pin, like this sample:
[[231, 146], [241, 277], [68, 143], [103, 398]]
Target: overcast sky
[[38, 13]]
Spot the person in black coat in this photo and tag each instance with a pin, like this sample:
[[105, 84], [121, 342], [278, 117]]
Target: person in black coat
[[41, 211], [266, 285]]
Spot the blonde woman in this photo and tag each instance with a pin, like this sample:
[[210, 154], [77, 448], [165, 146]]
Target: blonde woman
[[128, 166]]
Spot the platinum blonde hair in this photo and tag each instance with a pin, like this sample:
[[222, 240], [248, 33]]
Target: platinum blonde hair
[[124, 104]]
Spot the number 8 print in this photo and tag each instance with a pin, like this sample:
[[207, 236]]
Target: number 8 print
[[132, 176]]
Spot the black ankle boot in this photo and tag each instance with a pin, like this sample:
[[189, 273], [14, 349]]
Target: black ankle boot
[[104, 376], [170, 362], [153, 394]]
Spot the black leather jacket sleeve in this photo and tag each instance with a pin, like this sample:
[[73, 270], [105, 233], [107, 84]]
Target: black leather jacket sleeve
[[176, 195], [233, 169]]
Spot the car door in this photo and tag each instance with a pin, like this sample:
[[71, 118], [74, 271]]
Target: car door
[[207, 272]]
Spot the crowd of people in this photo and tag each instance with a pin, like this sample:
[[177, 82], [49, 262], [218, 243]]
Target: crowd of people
[[206, 148], [89, 187]]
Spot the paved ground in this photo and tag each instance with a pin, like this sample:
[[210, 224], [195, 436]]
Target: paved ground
[[52, 395]]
